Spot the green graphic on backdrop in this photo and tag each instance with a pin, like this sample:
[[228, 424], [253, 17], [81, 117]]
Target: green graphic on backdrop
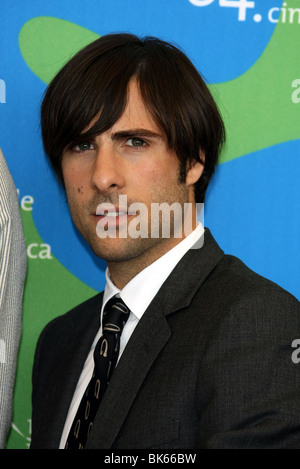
[[46, 43], [250, 107], [257, 106]]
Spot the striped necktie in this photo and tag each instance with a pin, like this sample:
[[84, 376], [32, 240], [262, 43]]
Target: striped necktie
[[106, 354]]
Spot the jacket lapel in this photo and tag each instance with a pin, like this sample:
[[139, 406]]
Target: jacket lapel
[[70, 364], [148, 339]]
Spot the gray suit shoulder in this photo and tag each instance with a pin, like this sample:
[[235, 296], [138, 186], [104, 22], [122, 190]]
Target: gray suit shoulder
[[247, 301], [248, 281], [80, 313]]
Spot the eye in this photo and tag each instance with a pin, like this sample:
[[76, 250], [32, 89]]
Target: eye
[[84, 146], [135, 142]]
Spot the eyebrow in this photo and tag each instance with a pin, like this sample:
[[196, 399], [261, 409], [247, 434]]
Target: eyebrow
[[122, 134]]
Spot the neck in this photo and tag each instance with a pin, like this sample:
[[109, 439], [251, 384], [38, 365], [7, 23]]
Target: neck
[[123, 271]]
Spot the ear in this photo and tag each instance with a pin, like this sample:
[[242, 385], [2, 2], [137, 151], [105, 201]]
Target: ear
[[195, 170]]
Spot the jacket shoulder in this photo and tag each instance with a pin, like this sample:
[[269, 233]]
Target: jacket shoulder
[[238, 277], [237, 296], [74, 315], [72, 321]]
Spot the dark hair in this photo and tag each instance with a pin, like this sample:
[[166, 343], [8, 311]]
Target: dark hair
[[93, 84]]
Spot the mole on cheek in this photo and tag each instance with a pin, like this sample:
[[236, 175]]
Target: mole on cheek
[[80, 190]]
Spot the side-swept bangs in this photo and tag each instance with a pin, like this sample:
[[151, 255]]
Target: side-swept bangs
[[91, 87]]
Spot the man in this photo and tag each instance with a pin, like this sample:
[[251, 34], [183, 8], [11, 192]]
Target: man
[[12, 277], [204, 359]]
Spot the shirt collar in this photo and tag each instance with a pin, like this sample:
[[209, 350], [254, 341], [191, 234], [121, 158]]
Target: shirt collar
[[140, 291]]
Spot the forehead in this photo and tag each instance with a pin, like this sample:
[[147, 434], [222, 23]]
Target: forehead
[[135, 117], [136, 113]]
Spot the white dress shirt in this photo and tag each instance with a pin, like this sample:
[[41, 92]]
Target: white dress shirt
[[137, 295]]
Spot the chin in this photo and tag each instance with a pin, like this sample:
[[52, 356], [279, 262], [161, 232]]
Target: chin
[[122, 250], [111, 250]]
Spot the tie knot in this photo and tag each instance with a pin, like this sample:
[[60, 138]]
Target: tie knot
[[115, 315]]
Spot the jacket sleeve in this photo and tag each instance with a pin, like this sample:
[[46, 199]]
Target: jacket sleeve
[[13, 262], [251, 375]]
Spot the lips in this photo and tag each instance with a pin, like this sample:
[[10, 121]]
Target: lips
[[110, 211], [111, 216]]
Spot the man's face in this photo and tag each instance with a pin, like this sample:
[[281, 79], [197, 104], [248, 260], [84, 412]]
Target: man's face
[[130, 160]]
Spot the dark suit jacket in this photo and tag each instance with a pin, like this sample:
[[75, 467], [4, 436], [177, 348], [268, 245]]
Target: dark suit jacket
[[208, 366]]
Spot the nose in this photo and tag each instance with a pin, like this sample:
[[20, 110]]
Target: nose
[[107, 175]]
